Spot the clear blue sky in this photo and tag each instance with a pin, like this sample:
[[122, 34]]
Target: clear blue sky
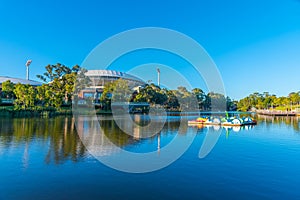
[[255, 44]]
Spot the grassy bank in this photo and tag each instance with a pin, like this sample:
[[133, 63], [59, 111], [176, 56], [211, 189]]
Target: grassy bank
[[11, 111]]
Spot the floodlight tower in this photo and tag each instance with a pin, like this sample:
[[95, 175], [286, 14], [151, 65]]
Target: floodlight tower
[[27, 68], [158, 77]]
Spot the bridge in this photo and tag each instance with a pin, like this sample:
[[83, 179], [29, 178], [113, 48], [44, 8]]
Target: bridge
[[131, 107]]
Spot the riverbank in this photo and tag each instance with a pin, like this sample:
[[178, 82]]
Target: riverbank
[[11, 111], [277, 113]]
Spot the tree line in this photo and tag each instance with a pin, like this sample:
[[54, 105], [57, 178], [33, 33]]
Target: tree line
[[269, 101], [172, 100], [62, 85]]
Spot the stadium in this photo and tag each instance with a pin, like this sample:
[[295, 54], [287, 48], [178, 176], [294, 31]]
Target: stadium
[[14, 81], [18, 80], [99, 78]]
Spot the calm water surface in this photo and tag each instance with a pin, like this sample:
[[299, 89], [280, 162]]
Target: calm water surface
[[45, 159]]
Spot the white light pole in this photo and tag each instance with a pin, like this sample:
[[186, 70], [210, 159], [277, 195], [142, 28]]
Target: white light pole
[[27, 68], [158, 77]]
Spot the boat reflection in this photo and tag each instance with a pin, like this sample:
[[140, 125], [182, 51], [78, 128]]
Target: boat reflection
[[226, 129], [58, 139]]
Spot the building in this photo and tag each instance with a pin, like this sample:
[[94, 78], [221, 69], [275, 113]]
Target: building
[[101, 77], [14, 81], [18, 80]]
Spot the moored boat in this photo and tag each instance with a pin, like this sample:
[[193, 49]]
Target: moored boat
[[232, 121]]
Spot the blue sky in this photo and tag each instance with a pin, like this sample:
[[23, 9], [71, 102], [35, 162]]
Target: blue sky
[[255, 44]]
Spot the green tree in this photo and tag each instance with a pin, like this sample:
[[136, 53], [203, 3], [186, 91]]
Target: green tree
[[8, 89], [44, 95], [116, 91], [172, 101], [218, 101], [200, 95], [64, 82], [244, 104], [57, 71], [121, 91], [152, 94], [186, 99], [230, 104], [294, 97], [25, 96]]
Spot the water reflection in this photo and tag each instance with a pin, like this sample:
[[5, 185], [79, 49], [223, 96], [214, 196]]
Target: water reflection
[[60, 142], [57, 135], [267, 121], [226, 129], [102, 135], [292, 121]]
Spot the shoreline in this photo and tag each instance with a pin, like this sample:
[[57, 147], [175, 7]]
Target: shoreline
[[10, 111]]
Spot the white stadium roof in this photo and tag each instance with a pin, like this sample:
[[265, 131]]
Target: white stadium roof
[[19, 80], [112, 73]]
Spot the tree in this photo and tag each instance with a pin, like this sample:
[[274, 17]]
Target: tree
[[186, 99], [218, 101], [116, 91], [25, 96], [230, 104], [56, 71], [8, 89], [172, 101], [44, 94], [151, 94], [64, 83], [294, 97], [200, 95], [121, 91]]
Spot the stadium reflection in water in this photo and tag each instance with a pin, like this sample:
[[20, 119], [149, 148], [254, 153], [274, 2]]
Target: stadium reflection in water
[[48, 157], [62, 142]]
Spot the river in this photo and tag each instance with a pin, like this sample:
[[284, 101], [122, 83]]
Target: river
[[46, 158]]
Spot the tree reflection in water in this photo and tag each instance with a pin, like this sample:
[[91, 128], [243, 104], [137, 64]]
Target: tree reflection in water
[[57, 133], [292, 121], [58, 136], [268, 121], [102, 136]]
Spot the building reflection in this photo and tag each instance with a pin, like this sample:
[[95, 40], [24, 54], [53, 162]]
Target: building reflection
[[59, 140], [104, 136]]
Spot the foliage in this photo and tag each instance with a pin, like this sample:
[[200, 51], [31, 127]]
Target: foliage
[[7, 89], [201, 97], [186, 99], [25, 96], [217, 101], [62, 85], [117, 91], [151, 94], [57, 71], [268, 101], [172, 101]]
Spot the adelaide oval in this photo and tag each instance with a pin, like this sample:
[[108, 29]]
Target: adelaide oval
[[99, 78]]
